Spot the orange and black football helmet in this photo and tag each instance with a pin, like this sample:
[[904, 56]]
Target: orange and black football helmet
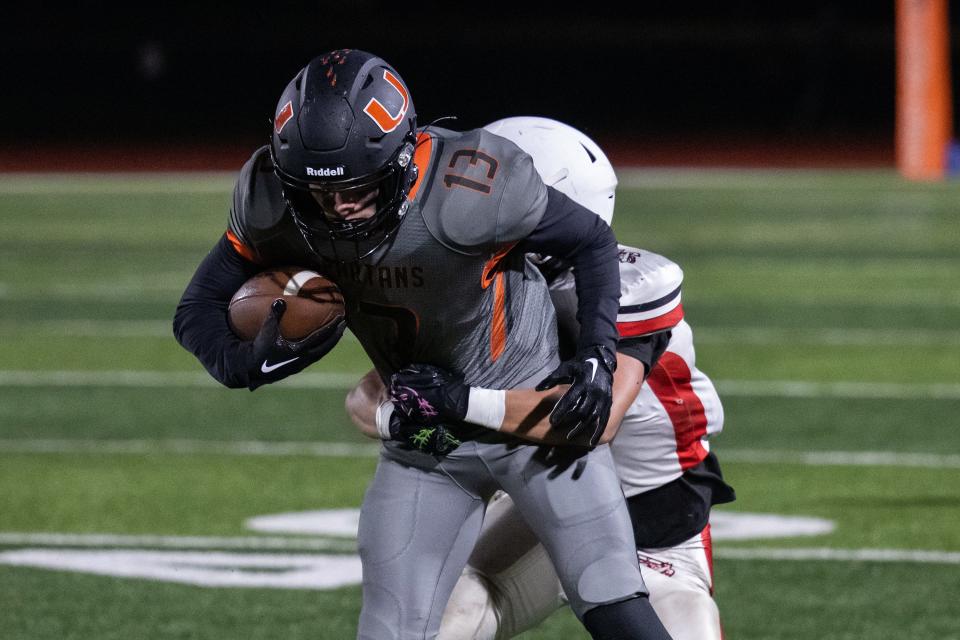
[[345, 128]]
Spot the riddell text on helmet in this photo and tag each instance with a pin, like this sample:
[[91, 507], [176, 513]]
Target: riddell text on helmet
[[325, 172]]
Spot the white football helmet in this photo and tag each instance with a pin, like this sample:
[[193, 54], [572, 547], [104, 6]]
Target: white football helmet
[[566, 159]]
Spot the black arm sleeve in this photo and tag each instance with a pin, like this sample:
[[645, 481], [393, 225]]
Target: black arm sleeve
[[647, 349], [576, 234], [200, 322]]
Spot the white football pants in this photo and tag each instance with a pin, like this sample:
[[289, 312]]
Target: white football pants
[[510, 585]]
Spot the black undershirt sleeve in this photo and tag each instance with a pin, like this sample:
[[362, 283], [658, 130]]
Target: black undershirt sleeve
[[647, 349], [576, 235], [200, 321]]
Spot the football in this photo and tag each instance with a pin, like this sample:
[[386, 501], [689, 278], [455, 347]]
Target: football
[[313, 302]]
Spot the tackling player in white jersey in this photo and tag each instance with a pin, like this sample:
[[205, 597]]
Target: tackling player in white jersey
[[662, 428]]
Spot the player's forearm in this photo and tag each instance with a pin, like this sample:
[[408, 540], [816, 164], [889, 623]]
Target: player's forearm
[[527, 416], [527, 412], [523, 413], [200, 321], [362, 402], [428, 395]]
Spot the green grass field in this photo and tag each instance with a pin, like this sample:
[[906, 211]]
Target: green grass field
[[826, 306]]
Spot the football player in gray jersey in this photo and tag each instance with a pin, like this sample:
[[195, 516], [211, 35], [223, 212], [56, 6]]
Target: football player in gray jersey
[[426, 232]]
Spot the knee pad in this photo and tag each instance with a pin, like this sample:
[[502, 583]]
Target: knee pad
[[601, 578], [505, 604], [471, 612], [688, 614], [526, 592]]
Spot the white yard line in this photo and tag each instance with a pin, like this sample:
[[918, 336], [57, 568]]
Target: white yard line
[[774, 336], [842, 458], [359, 450], [98, 328], [290, 543], [760, 336], [191, 447], [322, 380], [847, 555], [854, 390], [253, 543], [154, 379]]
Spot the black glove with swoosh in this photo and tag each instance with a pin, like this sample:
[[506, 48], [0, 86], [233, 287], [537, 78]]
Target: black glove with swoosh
[[586, 404], [276, 357]]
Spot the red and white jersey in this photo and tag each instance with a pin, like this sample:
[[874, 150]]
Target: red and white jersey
[[666, 429]]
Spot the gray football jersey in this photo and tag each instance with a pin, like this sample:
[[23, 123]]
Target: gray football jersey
[[445, 289]]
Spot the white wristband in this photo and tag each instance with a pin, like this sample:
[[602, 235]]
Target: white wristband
[[384, 411], [487, 407]]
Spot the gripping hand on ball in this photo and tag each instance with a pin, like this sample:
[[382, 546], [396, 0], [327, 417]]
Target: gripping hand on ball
[[276, 357], [586, 404]]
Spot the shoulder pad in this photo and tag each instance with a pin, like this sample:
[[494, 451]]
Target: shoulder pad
[[488, 193], [258, 206], [650, 298]]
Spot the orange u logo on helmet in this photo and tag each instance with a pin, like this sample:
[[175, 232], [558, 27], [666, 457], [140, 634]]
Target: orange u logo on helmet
[[286, 113], [379, 114]]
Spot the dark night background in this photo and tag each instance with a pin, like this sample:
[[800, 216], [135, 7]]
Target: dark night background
[[688, 76]]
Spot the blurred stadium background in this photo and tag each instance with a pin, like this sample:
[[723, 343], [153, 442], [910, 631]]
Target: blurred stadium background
[[693, 83], [757, 144]]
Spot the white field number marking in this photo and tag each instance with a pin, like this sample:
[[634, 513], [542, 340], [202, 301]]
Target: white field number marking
[[332, 528], [345, 381], [200, 568], [217, 568], [365, 450]]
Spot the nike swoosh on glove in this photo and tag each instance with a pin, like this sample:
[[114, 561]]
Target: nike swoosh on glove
[[586, 404], [276, 357]]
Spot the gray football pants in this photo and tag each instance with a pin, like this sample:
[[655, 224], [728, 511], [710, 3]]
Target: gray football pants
[[421, 517]]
